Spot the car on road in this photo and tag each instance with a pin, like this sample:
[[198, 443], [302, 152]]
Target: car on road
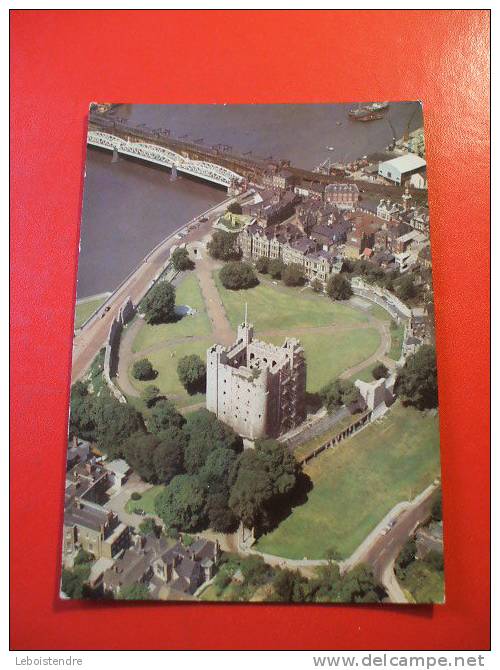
[[203, 219]]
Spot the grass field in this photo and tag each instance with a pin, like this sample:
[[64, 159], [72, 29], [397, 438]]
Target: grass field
[[85, 310], [187, 293], [279, 307], [146, 501], [165, 363], [397, 335], [387, 462], [329, 354]]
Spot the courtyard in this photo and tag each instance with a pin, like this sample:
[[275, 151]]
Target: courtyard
[[339, 338]]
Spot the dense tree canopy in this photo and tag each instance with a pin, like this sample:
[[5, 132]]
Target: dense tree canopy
[[337, 393], [168, 458], [338, 287], [265, 478], [181, 260], [114, 423], [134, 592], [416, 383], [182, 503], [293, 275], [159, 303], [224, 246], [192, 373], [237, 275], [138, 451], [165, 415]]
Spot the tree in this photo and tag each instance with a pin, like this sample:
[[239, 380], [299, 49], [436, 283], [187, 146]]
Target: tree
[[134, 592], [148, 527], [380, 371], [416, 383], [192, 373], [114, 423], [437, 509], [237, 275], [405, 288], [83, 557], [168, 458], [182, 503], [317, 286], [264, 481], [142, 369], [220, 516], [290, 586], [359, 586], [150, 394], [223, 246], [73, 582], [262, 265], [181, 261], [138, 451], [337, 393], [293, 275], [159, 303], [81, 418], [164, 416], [235, 208], [206, 433], [276, 267], [338, 287]]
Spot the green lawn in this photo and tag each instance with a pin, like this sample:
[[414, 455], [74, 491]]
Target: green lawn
[[84, 310], [198, 325], [329, 354], [357, 483], [397, 335], [146, 501], [279, 307], [165, 363]]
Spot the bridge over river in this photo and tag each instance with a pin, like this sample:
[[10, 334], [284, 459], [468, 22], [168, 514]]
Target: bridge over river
[[216, 164]]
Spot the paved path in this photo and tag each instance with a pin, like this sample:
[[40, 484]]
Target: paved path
[[384, 347], [126, 357], [222, 332]]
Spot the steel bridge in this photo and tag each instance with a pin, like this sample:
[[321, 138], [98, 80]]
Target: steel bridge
[[162, 155]]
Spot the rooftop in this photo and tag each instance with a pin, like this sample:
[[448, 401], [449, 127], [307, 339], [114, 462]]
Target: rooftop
[[405, 163]]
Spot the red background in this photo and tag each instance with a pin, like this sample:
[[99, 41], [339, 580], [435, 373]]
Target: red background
[[61, 60]]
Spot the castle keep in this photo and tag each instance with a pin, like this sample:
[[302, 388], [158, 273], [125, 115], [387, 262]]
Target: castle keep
[[257, 388]]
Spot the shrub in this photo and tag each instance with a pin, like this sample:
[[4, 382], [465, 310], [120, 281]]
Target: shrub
[[135, 496], [276, 267], [262, 265], [380, 371]]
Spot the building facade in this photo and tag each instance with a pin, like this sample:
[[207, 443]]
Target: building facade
[[257, 388]]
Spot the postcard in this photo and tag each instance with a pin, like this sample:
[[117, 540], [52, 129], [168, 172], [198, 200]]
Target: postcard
[[254, 406]]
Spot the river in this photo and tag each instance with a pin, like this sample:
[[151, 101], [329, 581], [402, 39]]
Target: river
[[129, 207]]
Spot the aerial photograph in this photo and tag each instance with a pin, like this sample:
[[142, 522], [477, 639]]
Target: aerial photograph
[[254, 408]]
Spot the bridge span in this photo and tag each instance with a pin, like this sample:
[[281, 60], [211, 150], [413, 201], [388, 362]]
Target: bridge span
[[163, 155]]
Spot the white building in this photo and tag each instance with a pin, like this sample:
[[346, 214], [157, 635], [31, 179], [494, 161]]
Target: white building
[[401, 168]]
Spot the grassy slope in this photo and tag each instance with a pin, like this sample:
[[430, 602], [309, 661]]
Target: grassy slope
[[187, 293], [390, 461], [166, 365], [280, 308], [85, 309]]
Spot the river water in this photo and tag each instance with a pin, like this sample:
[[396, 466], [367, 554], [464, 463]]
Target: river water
[[129, 207]]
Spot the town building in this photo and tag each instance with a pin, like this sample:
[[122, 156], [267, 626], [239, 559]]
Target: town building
[[343, 196], [91, 527], [401, 168], [255, 387], [166, 570]]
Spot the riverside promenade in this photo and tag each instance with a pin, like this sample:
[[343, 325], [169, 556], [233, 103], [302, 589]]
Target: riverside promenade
[[89, 339]]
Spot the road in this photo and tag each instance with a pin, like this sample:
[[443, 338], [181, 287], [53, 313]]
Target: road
[[383, 551], [89, 340]]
